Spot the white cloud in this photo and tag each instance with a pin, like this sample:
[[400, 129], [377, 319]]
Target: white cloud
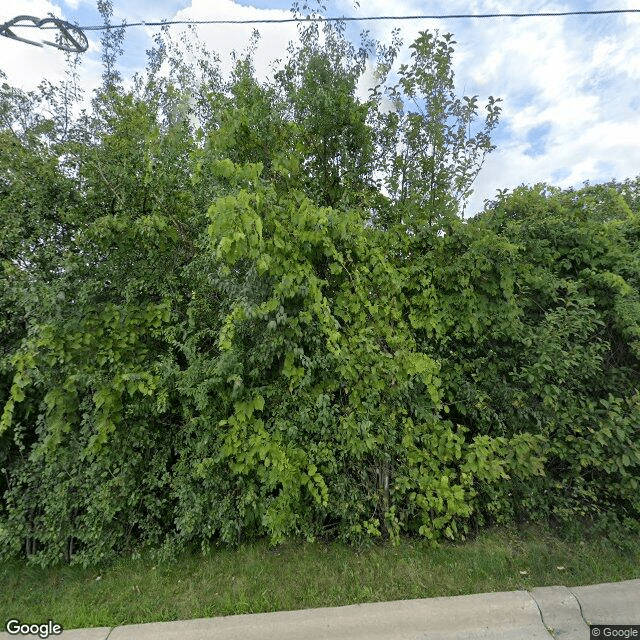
[[223, 39], [13, 8], [27, 65]]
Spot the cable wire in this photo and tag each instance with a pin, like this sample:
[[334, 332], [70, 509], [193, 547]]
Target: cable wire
[[453, 16]]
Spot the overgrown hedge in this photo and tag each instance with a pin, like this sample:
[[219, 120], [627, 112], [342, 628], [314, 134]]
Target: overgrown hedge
[[219, 323]]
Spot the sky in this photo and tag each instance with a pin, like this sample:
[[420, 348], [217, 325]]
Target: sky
[[570, 87]]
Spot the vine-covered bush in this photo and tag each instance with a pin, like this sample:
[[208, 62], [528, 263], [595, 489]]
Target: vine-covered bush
[[233, 309], [572, 373]]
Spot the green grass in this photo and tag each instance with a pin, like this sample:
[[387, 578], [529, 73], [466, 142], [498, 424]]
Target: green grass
[[256, 578]]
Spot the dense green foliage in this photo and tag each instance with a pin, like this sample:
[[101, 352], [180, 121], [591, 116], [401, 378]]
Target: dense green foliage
[[232, 309]]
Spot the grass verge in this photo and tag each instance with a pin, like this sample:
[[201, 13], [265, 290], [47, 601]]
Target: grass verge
[[256, 578]]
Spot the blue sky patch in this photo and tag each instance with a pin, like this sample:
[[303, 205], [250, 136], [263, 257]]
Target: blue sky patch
[[537, 140]]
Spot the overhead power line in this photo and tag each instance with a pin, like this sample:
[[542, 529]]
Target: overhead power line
[[452, 16]]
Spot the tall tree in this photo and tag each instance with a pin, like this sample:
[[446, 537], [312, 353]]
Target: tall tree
[[111, 41]]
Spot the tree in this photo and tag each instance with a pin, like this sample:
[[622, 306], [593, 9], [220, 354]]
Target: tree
[[111, 41], [429, 156], [333, 140]]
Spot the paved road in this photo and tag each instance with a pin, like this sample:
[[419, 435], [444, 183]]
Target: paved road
[[548, 612]]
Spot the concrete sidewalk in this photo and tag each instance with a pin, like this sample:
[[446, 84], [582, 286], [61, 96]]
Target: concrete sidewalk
[[547, 612]]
